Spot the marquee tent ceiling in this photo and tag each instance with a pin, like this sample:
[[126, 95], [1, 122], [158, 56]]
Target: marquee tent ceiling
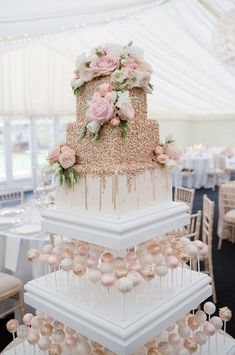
[[39, 47]]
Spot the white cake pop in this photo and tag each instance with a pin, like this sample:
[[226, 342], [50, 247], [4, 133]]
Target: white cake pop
[[66, 264], [106, 267], [146, 259], [191, 249], [174, 339], [158, 259], [161, 270], [44, 343], [199, 244], [36, 322], [217, 322], [209, 308], [184, 331], [58, 336], [22, 331], [200, 338], [47, 249], [135, 277], [27, 318], [94, 275], [209, 329], [125, 284]]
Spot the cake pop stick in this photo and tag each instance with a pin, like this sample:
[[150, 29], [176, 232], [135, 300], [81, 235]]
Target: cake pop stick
[[44, 259], [44, 343], [172, 262], [225, 314], [161, 271], [201, 339], [192, 252], [22, 333], [209, 330], [125, 285], [218, 324], [12, 326], [94, 276], [67, 265], [108, 281], [53, 262], [200, 246], [33, 339], [136, 280], [79, 270], [32, 256]]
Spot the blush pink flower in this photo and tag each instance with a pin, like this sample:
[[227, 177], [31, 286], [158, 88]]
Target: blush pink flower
[[127, 111], [162, 159], [172, 151], [67, 159], [104, 65], [158, 150], [65, 148], [137, 64], [54, 153], [101, 110], [104, 89]]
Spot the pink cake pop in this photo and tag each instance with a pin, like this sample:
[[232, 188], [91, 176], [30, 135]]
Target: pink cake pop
[[47, 249], [124, 285], [53, 261], [108, 280], [33, 339], [209, 330], [131, 257], [82, 348], [174, 339], [218, 324], [92, 263], [67, 265], [71, 342], [58, 325], [94, 276], [70, 331], [172, 262]]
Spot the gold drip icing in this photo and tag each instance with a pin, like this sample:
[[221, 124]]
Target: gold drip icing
[[86, 192], [101, 192], [154, 187]]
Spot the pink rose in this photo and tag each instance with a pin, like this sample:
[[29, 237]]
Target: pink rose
[[104, 65], [137, 64], [100, 110], [158, 150], [67, 159], [65, 149], [104, 89], [162, 158], [86, 74], [172, 151], [54, 153], [127, 110]]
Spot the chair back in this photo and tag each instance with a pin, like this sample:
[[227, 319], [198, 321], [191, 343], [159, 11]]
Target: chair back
[[227, 201], [183, 194], [11, 196], [207, 220], [193, 229]]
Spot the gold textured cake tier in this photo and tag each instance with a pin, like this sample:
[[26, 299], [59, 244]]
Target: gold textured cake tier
[[139, 101], [111, 154]]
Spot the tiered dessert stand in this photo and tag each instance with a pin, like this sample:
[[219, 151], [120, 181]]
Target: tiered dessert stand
[[105, 322]]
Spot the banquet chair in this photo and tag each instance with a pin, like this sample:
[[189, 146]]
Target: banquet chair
[[183, 194], [192, 231], [207, 232], [188, 175], [218, 171], [44, 182], [11, 287], [228, 206], [11, 196]]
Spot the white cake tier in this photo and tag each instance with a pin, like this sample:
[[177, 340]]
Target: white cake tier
[[118, 234], [122, 331], [116, 195], [226, 347]]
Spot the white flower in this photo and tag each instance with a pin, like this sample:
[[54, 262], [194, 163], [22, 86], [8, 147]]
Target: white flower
[[86, 74], [77, 83], [171, 165], [111, 96], [123, 98], [134, 51], [93, 126], [81, 61], [118, 76], [114, 50], [135, 79], [127, 111]]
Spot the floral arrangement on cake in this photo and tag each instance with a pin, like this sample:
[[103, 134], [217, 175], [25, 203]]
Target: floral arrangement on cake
[[167, 154], [112, 104], [62, 160]]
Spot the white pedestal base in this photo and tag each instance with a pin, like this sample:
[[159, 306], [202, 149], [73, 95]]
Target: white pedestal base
[[118, 234], [105, 323]]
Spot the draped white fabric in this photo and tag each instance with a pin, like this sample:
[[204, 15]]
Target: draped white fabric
[[177, 38]]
